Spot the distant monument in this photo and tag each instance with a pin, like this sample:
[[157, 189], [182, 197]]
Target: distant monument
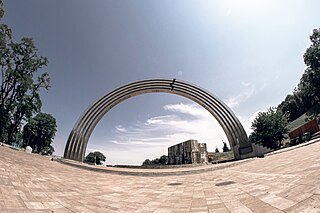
[[188, 152], [79, 136]]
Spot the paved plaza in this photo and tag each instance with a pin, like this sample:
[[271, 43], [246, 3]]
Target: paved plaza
[[284, 182]]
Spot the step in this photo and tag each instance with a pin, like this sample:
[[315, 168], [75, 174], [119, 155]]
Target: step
[[315, 135]]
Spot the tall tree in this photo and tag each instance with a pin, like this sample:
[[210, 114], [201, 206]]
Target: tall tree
[[307, 93], [1, 9], [4, 123], [292, 106], [39, 133], [309, 84], [269, 128], [19, 91]]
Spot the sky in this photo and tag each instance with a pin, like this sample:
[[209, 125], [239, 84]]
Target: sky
[[248, 53]]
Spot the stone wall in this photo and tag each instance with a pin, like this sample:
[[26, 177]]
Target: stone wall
[[203, 153], [188, 152], [260, 150]]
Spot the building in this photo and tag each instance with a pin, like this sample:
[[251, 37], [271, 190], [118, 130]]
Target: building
[[188, 152]]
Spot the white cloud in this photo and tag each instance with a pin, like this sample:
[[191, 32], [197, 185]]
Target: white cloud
[[161, 120], [234, 101], [120, 128], [191, 109]]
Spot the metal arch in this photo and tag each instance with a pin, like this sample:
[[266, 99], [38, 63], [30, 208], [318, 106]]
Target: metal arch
[[79, 136]]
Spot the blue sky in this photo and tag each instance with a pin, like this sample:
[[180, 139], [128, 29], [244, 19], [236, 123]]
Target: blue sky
[[246, 52]]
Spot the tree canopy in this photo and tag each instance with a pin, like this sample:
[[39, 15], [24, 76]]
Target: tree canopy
[[95, 157], [20, 86], [146, 162], [307, 94], [269, 128], [163, 160], [39, 132]]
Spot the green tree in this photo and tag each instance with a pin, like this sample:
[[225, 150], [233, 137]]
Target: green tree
[[19, 91], [307, 93], [146, 162], [4, 123], [156, 161], [95, 157], [292, 106], [164, 160], [225, 147], [1, 9], [269, 128], [307, 90], [309, 84], [312, 54], [39, 133]]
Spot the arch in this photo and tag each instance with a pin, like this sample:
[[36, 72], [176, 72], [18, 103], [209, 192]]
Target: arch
[[79, 136]]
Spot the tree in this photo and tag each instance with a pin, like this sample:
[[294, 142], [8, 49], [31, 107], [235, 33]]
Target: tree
[[269, 128], [1, 9], [156, 161], [4, 123], [146, 162], [217, 150], [19, 91], [39, 133], [307, 90], [312, 54], [292, 106], [309, 84], [164, 160], [225, 147], [47, 150], [307, 93], [95, 157]]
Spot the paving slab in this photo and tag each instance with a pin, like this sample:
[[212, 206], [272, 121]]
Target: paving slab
[[283, 182]]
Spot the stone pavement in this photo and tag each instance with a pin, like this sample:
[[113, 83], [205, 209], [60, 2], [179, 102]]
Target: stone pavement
[[284, 182]]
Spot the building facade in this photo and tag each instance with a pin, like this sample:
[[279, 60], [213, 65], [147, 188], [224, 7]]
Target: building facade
[[188, 152]]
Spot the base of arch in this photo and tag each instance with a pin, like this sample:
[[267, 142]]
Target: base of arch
[[243, 151]]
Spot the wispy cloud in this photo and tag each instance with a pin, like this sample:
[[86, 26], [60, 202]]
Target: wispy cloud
[[120, 128], [193, 109], [248, 91]]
